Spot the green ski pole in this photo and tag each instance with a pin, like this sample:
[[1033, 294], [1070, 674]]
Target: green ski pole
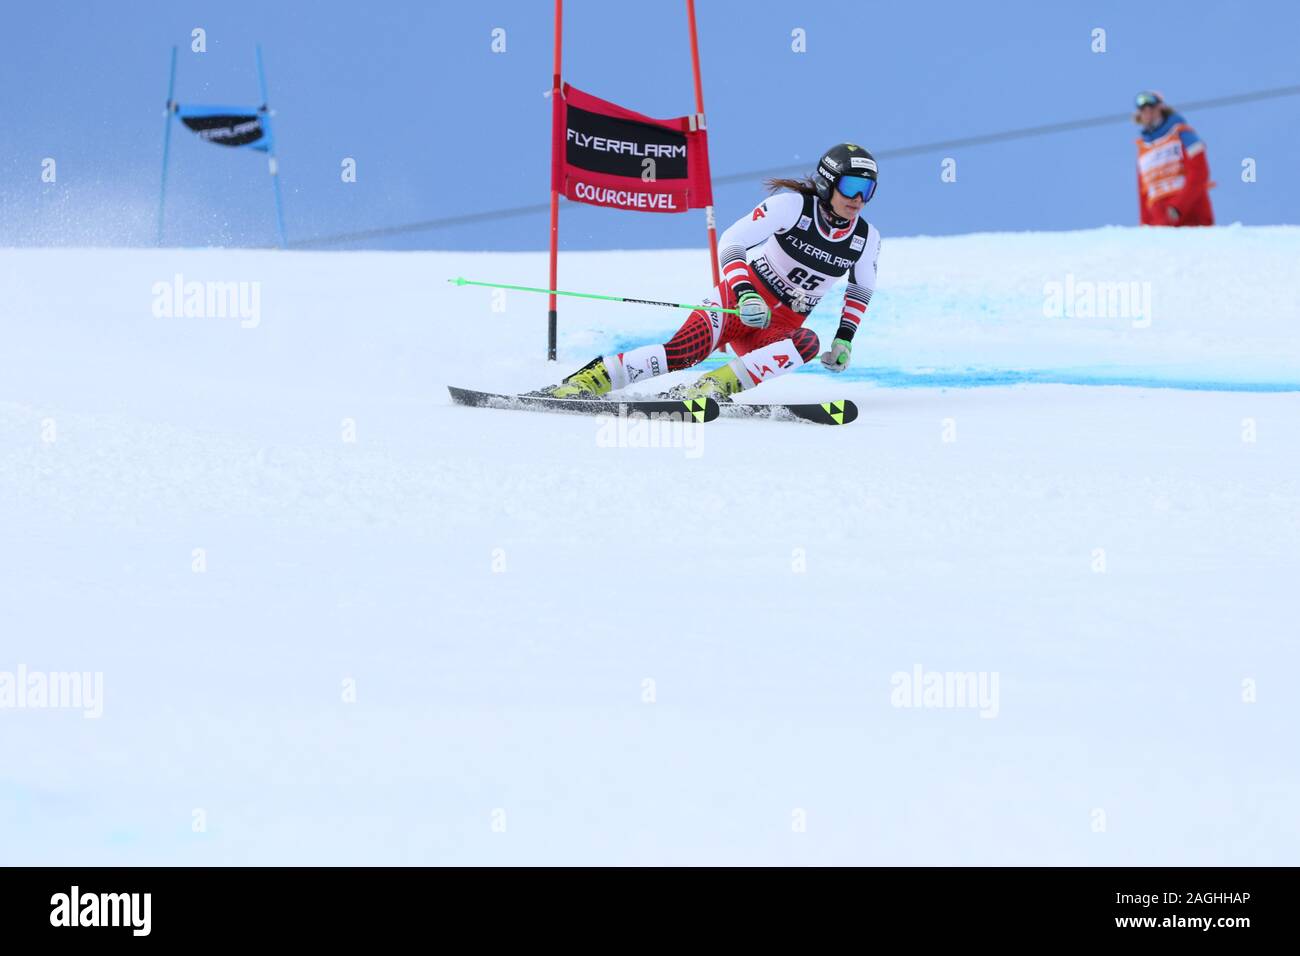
[[589, 295]]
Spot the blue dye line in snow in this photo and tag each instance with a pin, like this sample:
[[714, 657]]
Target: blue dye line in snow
[[994, 377]]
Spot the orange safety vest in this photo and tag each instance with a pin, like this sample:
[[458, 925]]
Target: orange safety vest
[[1160, 164]]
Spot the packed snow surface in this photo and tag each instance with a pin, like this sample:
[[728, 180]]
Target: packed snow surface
[[322, 616]]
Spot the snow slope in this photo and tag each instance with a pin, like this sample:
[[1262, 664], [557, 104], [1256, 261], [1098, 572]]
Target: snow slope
[[567, 651]]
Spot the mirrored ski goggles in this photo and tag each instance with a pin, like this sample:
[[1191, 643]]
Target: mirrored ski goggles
[[1147, 99], [850, 186]]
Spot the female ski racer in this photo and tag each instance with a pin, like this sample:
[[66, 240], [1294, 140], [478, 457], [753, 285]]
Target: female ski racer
[[777, 263]]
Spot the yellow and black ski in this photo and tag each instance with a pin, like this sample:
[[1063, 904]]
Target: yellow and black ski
[[841, 412], [687, 410]]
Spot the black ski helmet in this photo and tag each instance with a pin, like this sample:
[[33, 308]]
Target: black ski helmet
[[846, 159]]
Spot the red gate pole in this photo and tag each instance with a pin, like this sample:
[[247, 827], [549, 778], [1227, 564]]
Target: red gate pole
[[699, 110], [557, 135]]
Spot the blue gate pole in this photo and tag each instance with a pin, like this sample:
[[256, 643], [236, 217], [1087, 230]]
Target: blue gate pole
[[167, 137], [270, 160]]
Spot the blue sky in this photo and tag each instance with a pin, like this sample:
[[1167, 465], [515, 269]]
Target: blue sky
[[442, 126]]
